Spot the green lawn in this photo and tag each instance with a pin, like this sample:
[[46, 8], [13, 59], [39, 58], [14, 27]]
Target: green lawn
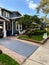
[[35, 37], [6, 60]]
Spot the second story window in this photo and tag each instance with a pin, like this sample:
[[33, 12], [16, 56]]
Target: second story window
[[7, 14], [4, 13]]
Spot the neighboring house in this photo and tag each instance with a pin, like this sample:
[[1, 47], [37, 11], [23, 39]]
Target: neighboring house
[[9, 21]]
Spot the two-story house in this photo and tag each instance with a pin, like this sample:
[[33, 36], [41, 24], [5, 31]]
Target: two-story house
[[9, 21]]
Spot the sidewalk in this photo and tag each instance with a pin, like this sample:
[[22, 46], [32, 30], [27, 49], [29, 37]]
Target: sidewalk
[[40, 56]]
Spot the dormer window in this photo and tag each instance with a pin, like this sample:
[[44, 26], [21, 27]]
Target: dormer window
[[4, 13], [7, 14]]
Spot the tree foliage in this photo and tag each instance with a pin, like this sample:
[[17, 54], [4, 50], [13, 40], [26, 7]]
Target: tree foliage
[[44, 5], [27, 20], [36, 19]]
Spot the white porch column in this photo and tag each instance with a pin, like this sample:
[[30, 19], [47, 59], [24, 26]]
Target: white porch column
[[19, 27], [4, 29], [12, 27]]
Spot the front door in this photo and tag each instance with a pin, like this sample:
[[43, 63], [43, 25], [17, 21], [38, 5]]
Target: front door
[[8, 28]]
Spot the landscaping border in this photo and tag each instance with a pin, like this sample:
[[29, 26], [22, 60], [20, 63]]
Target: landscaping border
[[39, 42]]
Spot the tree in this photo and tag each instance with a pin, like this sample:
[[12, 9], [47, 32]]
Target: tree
[[26, 21], [44, 6], [35, 19]]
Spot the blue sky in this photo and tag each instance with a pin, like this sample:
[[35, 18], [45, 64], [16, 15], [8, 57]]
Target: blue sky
[[23, 6]]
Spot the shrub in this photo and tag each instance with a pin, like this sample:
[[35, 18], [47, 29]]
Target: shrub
[[36, 32], [0, 51]]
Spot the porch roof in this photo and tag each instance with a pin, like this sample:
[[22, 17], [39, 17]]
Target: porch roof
[[5, 18], [16, 17]]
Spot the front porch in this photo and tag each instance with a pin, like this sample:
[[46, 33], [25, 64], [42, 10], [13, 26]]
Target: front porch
[[10, 27], [3, 22]]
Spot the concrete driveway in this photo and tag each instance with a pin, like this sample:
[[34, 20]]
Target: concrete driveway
[[19, 47]]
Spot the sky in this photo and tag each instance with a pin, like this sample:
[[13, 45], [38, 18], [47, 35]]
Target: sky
[[23, 6]]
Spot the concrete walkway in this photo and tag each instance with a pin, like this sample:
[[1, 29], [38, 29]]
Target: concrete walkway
[[40, 56]]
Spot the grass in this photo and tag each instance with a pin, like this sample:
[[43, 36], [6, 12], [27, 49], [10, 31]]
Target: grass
[[6, 60], [48, 33], [35, 37]]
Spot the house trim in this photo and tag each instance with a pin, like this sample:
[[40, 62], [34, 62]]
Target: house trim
[[4, 29], [4, 18], [16, 17]]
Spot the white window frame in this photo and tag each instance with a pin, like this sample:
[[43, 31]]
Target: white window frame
[[7, 14], [18, 26]]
